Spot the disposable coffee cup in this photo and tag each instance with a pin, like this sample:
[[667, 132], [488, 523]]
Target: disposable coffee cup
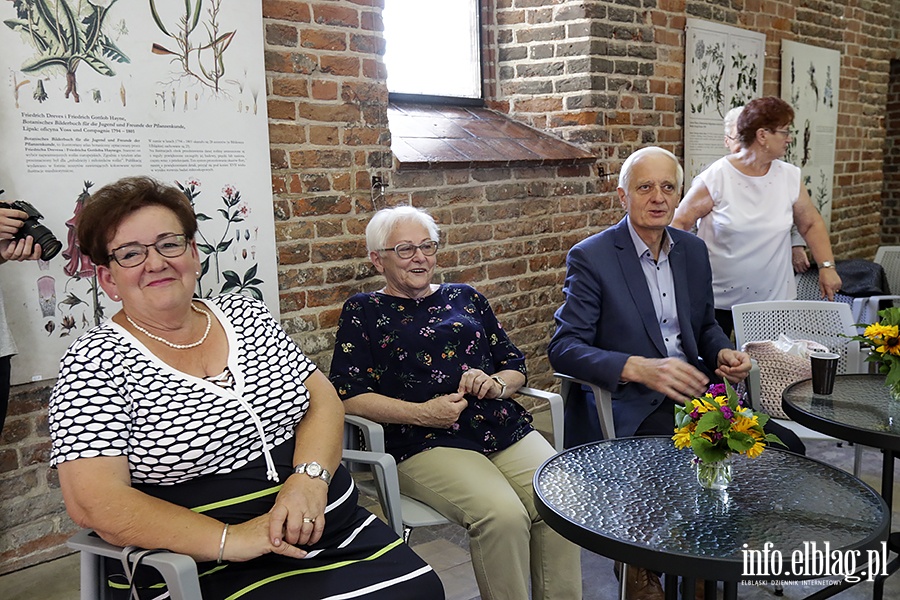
[[824, 368]]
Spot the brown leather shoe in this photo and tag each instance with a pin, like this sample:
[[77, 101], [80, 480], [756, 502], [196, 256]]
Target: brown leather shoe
[[640, 584]]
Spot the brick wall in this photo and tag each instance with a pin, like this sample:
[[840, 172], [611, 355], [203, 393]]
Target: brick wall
[[890, 194], [606, 75]]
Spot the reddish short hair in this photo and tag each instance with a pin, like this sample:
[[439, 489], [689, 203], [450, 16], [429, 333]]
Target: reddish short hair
[[105, 210], [769, 113]]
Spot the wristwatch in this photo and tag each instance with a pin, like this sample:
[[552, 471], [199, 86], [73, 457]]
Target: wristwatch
[[502, 383], [826, 264], [314, 470]]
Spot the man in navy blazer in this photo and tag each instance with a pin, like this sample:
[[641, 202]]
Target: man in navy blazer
[[638, 317]]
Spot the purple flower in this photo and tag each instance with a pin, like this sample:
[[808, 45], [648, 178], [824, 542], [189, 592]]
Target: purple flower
[[717, 389], [727, 412], [695, 415]]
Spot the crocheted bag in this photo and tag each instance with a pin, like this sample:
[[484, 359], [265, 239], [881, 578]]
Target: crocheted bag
[[779, 368]]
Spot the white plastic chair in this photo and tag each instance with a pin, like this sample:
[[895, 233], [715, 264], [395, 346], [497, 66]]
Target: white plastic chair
[[889, 258], [361, 432], [179, 570], [829, 323], [602, 398]]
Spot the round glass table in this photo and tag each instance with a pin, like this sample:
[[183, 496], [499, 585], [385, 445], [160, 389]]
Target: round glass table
[[858, 410], [637, 500]]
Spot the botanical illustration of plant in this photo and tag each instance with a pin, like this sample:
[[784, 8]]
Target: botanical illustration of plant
[[234, 212], [828, 93], [204, 62], [64, 37], [821, 196], [80, 308], [807, 135], [746, 83], [795, 91], [813, 84], [709, 82]]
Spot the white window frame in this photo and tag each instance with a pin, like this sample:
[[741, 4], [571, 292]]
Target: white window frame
[[426, 65]]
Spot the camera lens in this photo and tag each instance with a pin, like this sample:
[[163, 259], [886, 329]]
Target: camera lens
[[50, 246]]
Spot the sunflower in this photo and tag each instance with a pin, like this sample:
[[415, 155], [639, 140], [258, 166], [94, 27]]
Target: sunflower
[[890, 345], [682, 437], [878, 332]]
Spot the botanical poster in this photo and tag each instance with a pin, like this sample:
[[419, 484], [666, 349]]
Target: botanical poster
[[723, 70], [810, 78], [94, 90]]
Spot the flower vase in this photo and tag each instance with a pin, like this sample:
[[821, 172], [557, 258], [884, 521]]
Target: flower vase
[[714, 475], [895, 393]]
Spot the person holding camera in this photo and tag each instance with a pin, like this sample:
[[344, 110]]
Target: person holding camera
[[15, 248]]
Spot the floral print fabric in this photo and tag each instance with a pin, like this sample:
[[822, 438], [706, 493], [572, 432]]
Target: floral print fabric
[[415, 350]]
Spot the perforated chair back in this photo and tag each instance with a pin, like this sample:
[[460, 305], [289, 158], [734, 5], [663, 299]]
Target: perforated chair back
[[889, 258], [808, 288], [825, 322]]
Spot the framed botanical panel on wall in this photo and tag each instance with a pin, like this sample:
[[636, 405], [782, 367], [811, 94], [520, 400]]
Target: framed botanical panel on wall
[[101, 89], [723, 69]]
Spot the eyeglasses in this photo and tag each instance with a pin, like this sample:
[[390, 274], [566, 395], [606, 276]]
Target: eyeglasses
[[405, 250], [133, 255], [784, 132]]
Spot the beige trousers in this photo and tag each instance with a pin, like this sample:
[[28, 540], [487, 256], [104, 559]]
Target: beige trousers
[[493, 498]]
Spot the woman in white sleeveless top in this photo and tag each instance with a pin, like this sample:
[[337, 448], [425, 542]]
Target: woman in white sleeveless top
[[746, 204]]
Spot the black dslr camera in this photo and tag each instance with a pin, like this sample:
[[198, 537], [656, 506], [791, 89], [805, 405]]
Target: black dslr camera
[[50, 246]]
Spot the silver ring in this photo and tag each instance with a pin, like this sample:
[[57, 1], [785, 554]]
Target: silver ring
[[308, 520]]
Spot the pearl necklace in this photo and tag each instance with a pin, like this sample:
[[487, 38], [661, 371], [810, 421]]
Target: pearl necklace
[[170, 344]]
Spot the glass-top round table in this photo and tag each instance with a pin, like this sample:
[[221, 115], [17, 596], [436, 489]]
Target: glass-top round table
[[637, 500], [859, 410]]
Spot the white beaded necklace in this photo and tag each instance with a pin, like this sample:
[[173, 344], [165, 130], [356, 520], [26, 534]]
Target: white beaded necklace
[[170, 344]]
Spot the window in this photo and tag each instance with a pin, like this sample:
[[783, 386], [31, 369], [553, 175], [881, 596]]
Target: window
[[433, 48]]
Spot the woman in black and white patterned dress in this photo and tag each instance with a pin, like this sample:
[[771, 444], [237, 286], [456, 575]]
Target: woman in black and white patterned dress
[[199, 426]]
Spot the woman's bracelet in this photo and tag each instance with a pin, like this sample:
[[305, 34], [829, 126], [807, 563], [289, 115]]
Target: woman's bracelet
[[222, 544]]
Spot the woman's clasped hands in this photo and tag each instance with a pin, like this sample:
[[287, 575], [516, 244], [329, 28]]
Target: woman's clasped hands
[[297, 519]]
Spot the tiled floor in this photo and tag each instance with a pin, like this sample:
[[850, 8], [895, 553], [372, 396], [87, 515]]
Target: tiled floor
[[446, 549]]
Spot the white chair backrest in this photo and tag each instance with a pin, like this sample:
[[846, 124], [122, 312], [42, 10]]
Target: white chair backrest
[[889, 258], [825, 322]]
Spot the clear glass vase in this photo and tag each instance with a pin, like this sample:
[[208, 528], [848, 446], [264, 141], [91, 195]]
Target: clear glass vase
[[715, 475], [895, 393]]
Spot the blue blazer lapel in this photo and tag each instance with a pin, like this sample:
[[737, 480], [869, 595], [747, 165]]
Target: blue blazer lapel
[[678, 262], [633, 275]]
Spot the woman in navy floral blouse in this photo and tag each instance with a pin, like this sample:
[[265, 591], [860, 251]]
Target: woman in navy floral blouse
[[434, 366]]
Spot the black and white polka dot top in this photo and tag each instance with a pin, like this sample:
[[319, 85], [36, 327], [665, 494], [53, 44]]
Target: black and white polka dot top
[[115, 398]]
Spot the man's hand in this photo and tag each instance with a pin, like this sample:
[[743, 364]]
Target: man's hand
[[673, 377], [25, 249], [19, 250], [441, 412], [799, 260], [733, 365], [829, 283]]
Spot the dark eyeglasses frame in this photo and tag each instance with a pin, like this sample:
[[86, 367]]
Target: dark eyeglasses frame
[[428, 248], [784, 132], [156, 246]]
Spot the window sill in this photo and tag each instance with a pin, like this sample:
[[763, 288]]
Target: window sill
[[456, 137]]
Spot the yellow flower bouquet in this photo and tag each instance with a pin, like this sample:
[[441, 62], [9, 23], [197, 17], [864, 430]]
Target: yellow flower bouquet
[[882, 338], [716, 426]]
